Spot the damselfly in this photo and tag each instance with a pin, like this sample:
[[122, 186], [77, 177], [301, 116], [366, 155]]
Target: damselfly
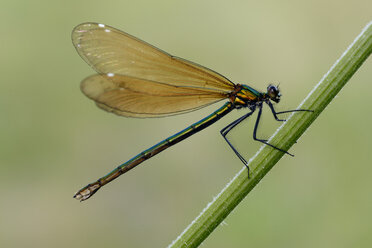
[[136, 79]]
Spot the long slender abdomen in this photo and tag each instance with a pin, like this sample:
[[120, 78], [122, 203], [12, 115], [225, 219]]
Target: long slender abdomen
[[92, 188]]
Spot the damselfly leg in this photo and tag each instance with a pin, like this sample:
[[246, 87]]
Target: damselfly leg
[[228, 128], [233, 124]]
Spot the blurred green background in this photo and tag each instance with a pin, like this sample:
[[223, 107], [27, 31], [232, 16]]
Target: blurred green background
[[54, 140]]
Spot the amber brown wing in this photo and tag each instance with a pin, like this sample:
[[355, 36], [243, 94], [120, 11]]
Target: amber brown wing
[[134, 97], [144, 81], [111, 51]]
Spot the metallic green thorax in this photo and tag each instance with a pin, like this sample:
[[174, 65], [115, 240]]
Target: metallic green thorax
[[245, 95], [250, 90]]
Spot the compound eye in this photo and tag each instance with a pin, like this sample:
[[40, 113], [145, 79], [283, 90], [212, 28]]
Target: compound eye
[[272, 90]]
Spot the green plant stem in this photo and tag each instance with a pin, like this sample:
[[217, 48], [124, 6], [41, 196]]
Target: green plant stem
[[286, 135]]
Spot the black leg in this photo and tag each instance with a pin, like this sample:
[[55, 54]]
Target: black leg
[[282, 112], [261, 140], [228, 128], [273, 111]]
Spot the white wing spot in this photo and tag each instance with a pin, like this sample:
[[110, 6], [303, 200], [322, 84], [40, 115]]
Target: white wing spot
[[107, 30], [110, 74], [101, 25]]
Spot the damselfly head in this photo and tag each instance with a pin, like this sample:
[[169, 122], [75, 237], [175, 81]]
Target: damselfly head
[[274, 93]]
